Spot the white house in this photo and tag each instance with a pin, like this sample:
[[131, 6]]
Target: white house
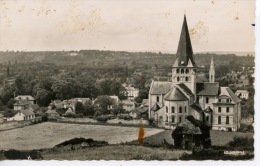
[[28, 98], [24, 115], [242, 94]]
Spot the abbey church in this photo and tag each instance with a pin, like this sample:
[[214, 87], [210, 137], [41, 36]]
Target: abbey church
[[187, 94]]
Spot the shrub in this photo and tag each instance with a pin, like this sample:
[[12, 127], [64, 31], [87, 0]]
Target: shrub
[[16, 154], [76, 141], [242, 142], [80, 115], [70, 115], [102, 119], [97, 114], [45, 118]]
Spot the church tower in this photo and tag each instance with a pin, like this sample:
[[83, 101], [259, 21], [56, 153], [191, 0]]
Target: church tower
[[184, 69], [212, 71]]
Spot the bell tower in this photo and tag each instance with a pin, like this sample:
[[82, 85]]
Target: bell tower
[[184, 69]]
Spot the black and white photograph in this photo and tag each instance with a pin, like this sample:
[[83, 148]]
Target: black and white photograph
[[127, 80]]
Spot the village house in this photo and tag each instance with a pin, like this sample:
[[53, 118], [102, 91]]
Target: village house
[[24, 115], [242, 94], [170, 102], [128, 105], [131, 92], [21, 105]]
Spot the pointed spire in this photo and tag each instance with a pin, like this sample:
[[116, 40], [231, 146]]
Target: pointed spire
[[184, 51], [212, 65]]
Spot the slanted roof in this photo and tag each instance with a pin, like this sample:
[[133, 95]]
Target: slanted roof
[[175, 95], [189, 128], [155, 107], [27, 112], [35, 107], [22, 102], [232, 95], [201, 78], [196, 108], [160, 87], [184, 51], [145, 102], [208, 110], [141, 110], [185, 89], [24, 97], [208, 89], [51, 112], [241, 91]]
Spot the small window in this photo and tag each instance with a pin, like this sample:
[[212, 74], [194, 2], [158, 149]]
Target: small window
[[185, 109], [180, 109], [227, 109], [198, 99], [227, 120], [182, 71], [219, 109], [166, 119], [173, 109], [219, 119], [219, 100], [157, 98], [166, 109], [178, 78], [180, 119], [186, 79], [187, 71], [207, 100], [178, 71]]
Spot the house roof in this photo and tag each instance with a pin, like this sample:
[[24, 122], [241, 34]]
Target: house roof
[[241, 91], [22, 102], [155, 107], [184, 52], [51, 112], [145, 102], [208, 110], [189, 128], [201, 78], [232, 95], [208, 88], [27, 112], [160, 87], [196, 108], [24, 97], [185, 89], [35, 107], [175, 95]]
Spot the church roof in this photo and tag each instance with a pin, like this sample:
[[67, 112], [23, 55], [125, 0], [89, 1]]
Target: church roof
[[175, 95], [159, 87], [197, 108], [155, 107], [185, 89], [208, 88], [184, 51]]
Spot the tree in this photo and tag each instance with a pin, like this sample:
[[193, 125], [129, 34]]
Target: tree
[[79, 108], [117, 108], [43, 97], [89, 108], [10, 103], [104, 102]]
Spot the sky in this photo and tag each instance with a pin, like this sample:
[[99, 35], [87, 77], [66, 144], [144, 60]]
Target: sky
[[129, 25]]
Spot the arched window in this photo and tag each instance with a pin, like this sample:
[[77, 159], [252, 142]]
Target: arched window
[[187, 71], [182, 71], [207, 100], [157, 98], [180, 109], [178, 70], [178, 78], [166, 109], [166, 118], [173, 119], [173, 109], [207, 118], [186, 79], [180, 119], [185, 109]]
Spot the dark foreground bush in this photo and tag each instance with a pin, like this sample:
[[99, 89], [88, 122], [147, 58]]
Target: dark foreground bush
[[45, 118], [242, 142], [18, 155], [146, 157], [102, 119], [89, 141]]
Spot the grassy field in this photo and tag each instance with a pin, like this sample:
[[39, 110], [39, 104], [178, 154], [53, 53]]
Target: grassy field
[[116, 152], [47, 135], [218, 138]]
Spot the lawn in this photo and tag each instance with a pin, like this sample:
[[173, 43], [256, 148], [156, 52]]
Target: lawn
[[47, 135]]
